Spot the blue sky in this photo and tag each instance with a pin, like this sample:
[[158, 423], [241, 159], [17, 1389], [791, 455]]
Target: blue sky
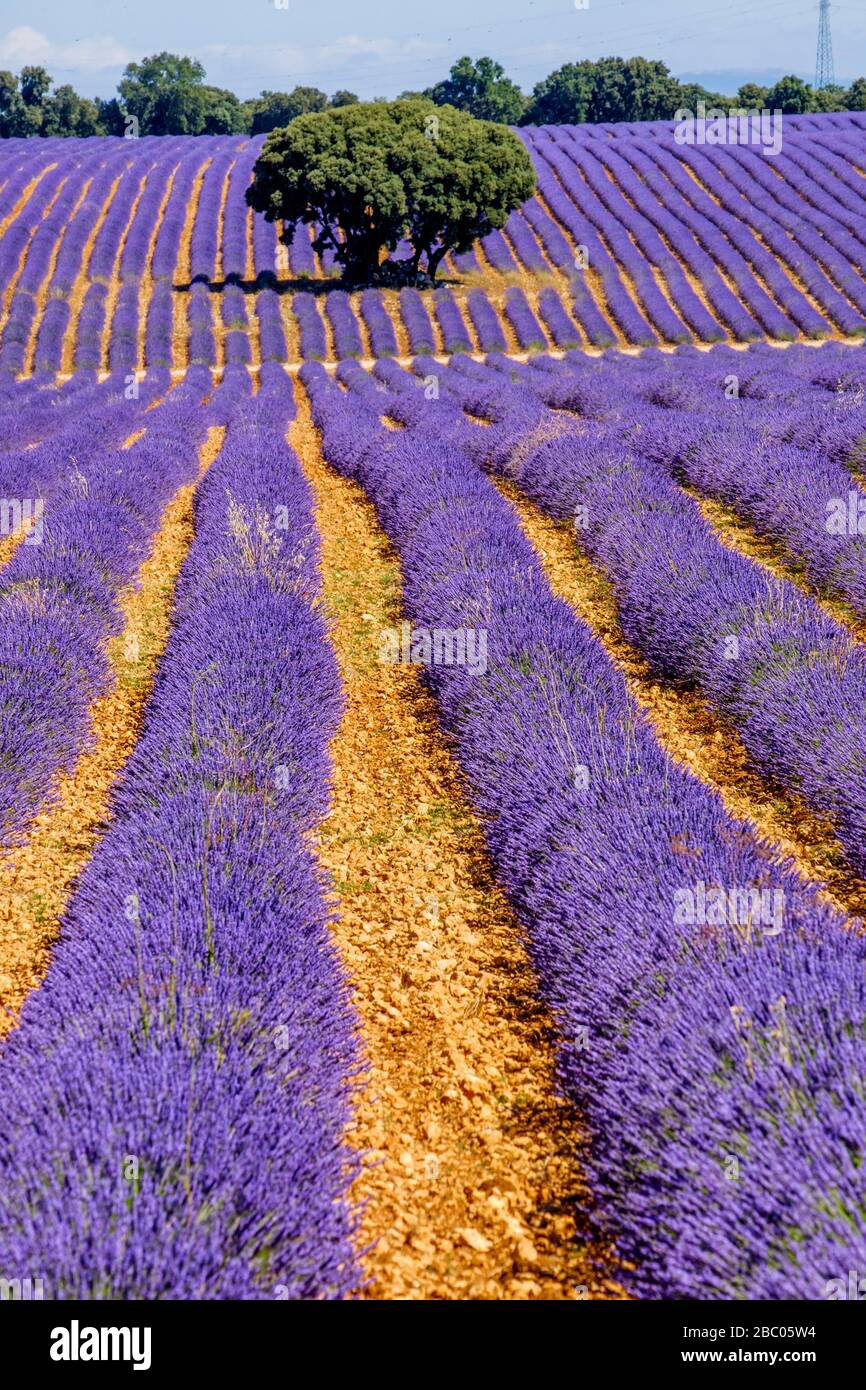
[[382, 49]]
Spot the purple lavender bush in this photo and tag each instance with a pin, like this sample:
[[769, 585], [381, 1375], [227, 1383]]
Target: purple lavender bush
[[175, 1097], [689, 1044]]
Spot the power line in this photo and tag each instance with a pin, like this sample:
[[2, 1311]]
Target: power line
[[408, 70], [420, 68]]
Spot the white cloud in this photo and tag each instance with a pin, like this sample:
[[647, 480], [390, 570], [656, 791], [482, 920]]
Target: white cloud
[[23, 46], [292, 62]]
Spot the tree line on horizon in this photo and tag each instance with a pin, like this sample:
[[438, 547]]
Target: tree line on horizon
[[167, 94]]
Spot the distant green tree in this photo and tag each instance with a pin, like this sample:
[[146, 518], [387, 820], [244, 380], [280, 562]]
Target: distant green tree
[[249, 107], [833, 98], [16, 118], [791, 95], [165, 94], [379, 172], [481, 89], [689, 94], [649, 90], [34, 84], [562, 98], [752, 97], [10, 98], [614, 89], [607, 102], [223, 113], [856, 96], [64, 112], [275, 110], [28, 106], [633, 89], [111, 116]]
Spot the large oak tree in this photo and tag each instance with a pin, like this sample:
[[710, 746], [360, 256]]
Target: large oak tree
[[371, 175]]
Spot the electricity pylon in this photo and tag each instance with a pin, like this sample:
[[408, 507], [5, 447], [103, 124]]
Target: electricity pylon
[[824, 75]]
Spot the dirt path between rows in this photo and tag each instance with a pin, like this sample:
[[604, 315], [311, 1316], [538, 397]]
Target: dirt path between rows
[[37, 879], [686, 727], [471, 1181]]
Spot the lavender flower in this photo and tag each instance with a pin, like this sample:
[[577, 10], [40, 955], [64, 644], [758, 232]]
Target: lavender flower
[[685, 1044], [174, 1100]]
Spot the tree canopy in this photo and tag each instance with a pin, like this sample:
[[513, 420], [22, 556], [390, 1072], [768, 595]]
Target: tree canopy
[[167, 94], [223, 114], [829, 98], [791, 96], [613, 89], [29, 107], [856, 98], [482, 89], [273, 110], [752, 97], [164, 94], [563, 97], [373, 174]]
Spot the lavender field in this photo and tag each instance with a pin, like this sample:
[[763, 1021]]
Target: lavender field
[[129, 255], [433, 739]]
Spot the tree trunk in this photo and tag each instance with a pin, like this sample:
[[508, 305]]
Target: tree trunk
[[359, 266], [434, 260], [359, 256]]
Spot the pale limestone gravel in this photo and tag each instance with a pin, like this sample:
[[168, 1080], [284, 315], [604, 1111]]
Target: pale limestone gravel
[[684, 724], [37, 879], [471, 1183], [736, 533]]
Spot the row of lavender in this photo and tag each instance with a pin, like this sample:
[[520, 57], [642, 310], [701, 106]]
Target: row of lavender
[[94, 509], [790, 679], [815, 126], [146, 209], [84, 513], [107, 218], [174, 1101], [659, 242], [776, 445], [37, 407], [750, 267], [718, 1056], [28, 243], [440, 323], [742, 249]]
